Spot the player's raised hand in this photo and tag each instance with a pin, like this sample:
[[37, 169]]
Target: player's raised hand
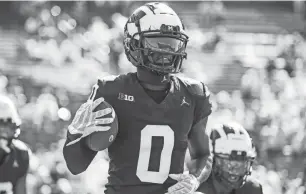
[[187, 184], [85, 119]]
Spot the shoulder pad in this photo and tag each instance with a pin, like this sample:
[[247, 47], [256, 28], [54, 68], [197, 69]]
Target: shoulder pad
[[112, 79], [107, 86], [195, 87], [20, 145], [106, 80]]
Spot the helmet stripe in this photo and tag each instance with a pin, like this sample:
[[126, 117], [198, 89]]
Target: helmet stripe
[[214, 135], [221, 131], [151, 7], [229, 129]]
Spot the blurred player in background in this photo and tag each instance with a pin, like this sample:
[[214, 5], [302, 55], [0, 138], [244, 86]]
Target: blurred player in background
[[160, 115], [234, 154], [14, 154]]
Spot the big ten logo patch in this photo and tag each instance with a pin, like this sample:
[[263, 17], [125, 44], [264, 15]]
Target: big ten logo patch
[[122, 96]]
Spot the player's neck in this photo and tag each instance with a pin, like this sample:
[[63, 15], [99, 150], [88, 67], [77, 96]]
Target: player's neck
[[153, 81]]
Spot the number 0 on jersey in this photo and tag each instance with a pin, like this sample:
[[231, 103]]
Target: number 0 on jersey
[[145, 151]]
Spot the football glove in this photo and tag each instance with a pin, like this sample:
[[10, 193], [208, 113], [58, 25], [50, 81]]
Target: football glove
[[85, 119], [187, 184]]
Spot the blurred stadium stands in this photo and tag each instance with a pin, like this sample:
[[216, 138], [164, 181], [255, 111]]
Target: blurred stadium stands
[[251, 55]]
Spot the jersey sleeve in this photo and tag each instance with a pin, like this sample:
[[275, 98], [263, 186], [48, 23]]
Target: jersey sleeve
[[27, 155], [203, 105], [103, 88], [23, 157], [201, 95]]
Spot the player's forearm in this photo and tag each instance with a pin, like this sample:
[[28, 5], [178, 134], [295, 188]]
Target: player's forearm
[[77, 156], [201, 167]]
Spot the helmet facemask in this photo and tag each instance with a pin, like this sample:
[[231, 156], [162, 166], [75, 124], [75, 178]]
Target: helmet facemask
[[9, 120], [160, 51], [232, 170], [8, 130]]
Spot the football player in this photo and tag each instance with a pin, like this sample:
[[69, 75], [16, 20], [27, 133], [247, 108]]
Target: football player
[[160, 115], [14, 154], [233, 156]]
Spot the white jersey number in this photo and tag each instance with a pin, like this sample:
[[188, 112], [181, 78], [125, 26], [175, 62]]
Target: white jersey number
[[6, 187], [145, 151]]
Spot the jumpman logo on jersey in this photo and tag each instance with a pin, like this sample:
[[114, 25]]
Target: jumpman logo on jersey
[[184, 102], [164, 79]]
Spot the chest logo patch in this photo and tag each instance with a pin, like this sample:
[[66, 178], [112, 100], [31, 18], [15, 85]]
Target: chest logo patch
[[125, 97], [184, 102]]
